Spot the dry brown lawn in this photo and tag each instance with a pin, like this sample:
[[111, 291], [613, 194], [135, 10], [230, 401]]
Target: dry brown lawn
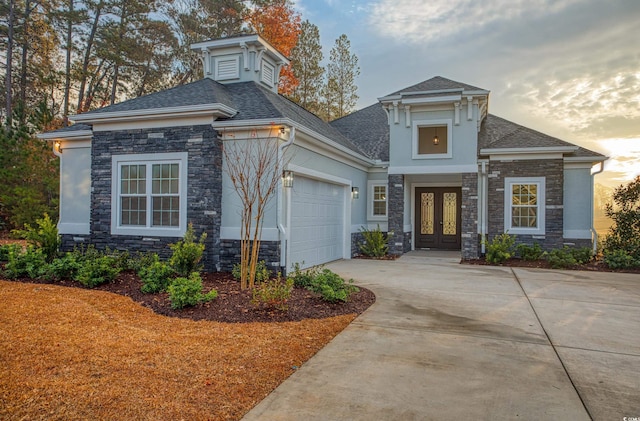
[[69, 353]]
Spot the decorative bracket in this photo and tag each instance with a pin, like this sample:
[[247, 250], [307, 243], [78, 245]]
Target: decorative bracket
[[469, 108], [456, 120], [407, 115]]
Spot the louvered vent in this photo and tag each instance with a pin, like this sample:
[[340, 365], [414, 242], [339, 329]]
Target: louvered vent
[[227, 68], [267, 73]]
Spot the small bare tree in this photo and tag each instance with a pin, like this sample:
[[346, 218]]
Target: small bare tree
[[255, 167]]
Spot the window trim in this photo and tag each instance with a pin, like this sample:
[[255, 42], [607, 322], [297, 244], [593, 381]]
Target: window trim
[[508, 183], [117, 161], [415, 141], [370, 199]]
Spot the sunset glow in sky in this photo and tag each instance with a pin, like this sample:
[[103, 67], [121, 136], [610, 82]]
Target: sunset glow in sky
[[568, 68]]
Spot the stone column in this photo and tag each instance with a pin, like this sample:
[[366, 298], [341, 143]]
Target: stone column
[[396, 214], [469, 228]]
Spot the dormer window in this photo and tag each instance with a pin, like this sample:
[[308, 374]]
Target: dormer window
[[268, 73], [432, 139]]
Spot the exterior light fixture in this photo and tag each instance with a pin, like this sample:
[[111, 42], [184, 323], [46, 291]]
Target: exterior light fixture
[[58, 146], [287, 178], [355, 192], [435, 138], [282, 130]]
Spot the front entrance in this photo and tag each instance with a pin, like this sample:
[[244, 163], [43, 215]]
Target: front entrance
[[438, 218]]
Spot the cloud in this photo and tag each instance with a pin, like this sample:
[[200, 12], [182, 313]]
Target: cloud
[[433, 21]]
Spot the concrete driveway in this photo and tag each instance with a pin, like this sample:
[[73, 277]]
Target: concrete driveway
[[446, 341]]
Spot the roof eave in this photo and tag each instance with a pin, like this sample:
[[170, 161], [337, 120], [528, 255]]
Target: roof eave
[[528, 151], [594, 159], [218, 110], [68, 135], [244, 124]]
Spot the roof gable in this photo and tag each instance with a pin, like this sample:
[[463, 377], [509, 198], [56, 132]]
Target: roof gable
[[435, 84]]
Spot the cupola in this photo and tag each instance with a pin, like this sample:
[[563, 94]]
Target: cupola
[[242, 58]]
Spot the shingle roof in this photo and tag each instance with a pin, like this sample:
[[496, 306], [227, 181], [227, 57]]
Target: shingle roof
[[255, 102], [203, 91], [437, 83], [72, 128], [369, 129], [250, 99], [498, 133]]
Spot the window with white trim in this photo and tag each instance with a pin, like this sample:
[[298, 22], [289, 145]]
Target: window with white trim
[[432, 139], [524, 205], [378, 203], [149, 194]]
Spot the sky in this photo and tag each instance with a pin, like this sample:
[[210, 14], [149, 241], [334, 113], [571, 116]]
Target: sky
[[568, 68]]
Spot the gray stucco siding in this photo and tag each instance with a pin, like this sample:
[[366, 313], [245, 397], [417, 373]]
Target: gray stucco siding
[[578, 203], [75, 191], [463, 137]]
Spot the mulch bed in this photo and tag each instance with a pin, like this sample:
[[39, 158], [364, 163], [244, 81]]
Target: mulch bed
[[232, 304], [593, 266]]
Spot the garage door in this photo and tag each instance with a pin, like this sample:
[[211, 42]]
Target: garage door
[[317, 222]]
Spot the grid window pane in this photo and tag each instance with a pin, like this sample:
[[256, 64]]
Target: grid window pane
[[165, 179], [524, 210], [134, 211], [133, 179], [166, 211], [379, 200]]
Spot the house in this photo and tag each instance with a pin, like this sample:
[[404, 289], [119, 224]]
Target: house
[[428, 164]]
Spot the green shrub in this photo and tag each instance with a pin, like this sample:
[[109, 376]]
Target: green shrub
[[273, 293], [624, 233], [156, 277], [187, 253], [142, 260], [262, 272], [96, 271], [44, 237], [6, 249], [583, 255], [375, 242], [331, 286], [304, 278], [185, 292], [31, 263], [561, 258], [500, 248], [121, 259], [619, 259], [528, 252], [65, 267]]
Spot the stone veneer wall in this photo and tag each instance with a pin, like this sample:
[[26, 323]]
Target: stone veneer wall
[[469, 209], [204, 186], [396, 215], [269, 252], [553, 171]]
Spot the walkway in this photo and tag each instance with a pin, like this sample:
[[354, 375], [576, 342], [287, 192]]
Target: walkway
[[446, 341]]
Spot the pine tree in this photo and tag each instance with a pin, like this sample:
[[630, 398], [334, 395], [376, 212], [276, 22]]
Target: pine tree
[[305, 61], [340, 89]]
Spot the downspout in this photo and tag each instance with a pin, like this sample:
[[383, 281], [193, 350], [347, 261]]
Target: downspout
[[594, 234], [282, 231], [483, 206]]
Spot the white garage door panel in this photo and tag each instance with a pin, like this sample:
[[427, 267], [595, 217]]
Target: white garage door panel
[[317, 222]]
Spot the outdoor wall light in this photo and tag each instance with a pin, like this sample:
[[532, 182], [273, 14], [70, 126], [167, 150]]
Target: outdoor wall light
[[58, 146], [282, 130], [355, 192], [287, 178], [435, 138]]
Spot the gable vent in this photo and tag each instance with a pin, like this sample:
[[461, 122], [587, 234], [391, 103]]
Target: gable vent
[[227, 68], [267, 73]]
